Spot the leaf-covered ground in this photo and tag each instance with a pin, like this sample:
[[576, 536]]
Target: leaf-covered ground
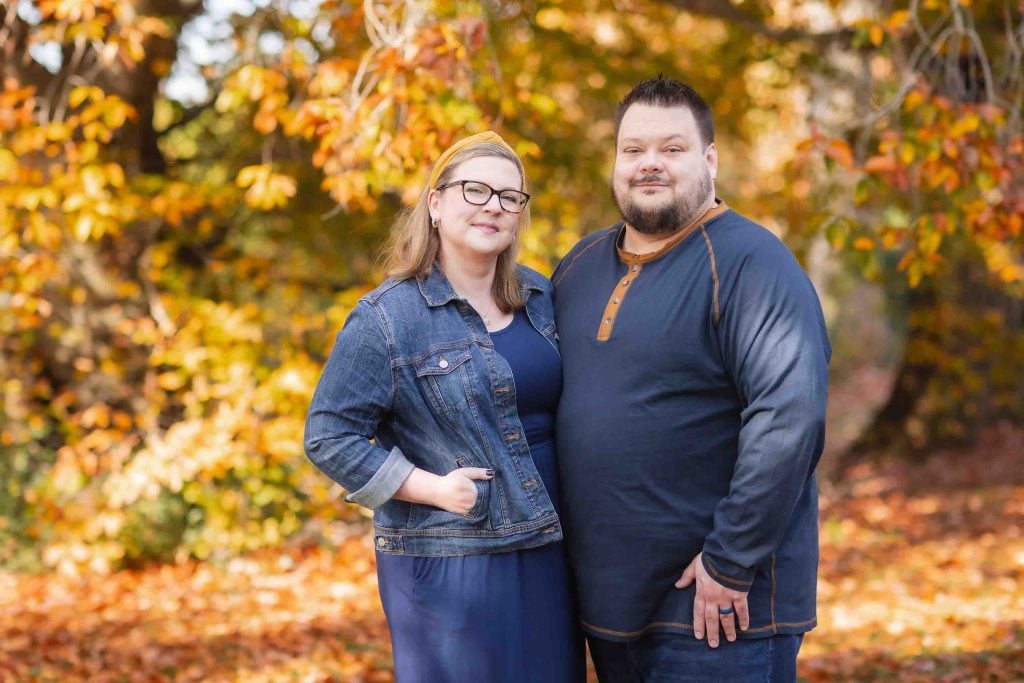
[[922, 579]]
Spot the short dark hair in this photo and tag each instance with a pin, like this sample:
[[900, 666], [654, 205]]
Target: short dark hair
[[667, 92]]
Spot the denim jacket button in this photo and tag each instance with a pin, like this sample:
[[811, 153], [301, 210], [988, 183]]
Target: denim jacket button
[[381, 542], [442, 363]]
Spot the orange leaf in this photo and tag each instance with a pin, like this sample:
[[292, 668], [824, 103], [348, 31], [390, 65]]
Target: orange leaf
[[881, 164], [840, 151], [897, 19]]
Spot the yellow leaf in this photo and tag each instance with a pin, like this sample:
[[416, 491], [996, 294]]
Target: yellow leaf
[[170, 381], [968, 124], [81, 94], [929, 242], [115, 175], [8, 166], [913, 99], [915, 271], [115, 116], [248, 175], [906, 153], [877, 34], [83, 227]]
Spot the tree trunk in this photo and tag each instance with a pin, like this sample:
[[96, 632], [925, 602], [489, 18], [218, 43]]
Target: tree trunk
[[961, 369]]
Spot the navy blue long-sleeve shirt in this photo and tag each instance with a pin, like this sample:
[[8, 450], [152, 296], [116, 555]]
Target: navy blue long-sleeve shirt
[[691, 419]]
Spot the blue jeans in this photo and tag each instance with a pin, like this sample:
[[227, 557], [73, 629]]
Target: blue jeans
[[678, 658]]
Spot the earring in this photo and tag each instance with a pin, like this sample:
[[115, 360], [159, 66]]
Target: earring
[[434, 223]]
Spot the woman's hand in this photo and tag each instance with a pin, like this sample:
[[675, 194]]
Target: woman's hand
[[454, 492]]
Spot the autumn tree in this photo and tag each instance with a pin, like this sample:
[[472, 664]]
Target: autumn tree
[[174, 271], [934, 160]]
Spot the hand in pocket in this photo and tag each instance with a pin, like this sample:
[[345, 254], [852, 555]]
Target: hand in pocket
[[456, 491]]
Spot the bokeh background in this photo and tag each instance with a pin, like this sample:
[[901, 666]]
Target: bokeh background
[[193, 196]]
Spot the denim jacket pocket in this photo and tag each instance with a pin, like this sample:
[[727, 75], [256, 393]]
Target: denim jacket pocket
[[426, 517], [444, 377], [483, 498]]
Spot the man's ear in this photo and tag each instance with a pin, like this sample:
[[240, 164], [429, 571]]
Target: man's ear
[[711, 159]]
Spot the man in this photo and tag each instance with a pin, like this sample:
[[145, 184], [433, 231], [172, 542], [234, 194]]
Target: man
[[692, 417]]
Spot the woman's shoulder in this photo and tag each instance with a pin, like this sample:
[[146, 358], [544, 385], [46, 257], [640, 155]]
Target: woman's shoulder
[[391, 290], [532, 279]]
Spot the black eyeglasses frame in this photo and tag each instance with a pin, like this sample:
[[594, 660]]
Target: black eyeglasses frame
[[491, 191]]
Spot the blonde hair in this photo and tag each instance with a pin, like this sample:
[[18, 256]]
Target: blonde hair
[[414, 244]]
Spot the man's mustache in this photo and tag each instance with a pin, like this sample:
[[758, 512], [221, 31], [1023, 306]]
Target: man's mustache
[[649, 178]]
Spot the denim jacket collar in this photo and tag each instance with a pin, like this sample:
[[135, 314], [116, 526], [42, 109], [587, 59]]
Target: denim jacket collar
[[437, 291]]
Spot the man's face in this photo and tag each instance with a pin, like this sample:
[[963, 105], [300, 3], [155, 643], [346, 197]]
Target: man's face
[[664, 175]]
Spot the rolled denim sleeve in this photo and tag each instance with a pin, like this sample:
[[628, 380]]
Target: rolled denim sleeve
[[356, 392], [774, 342]]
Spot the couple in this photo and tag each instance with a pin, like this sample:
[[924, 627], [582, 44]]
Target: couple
[[670, 429]]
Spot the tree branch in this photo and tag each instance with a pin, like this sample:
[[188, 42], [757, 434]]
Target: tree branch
[[726, 11]]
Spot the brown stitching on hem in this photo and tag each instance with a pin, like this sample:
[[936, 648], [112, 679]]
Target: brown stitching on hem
[[610, 232], [773, 626], [629, 634], [714, 273], [722, 577]]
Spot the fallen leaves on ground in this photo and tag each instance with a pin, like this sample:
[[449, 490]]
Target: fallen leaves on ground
[[922, 571], [310, 616]]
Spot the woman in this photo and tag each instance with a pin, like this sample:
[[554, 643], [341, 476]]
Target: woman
[[436, 409]]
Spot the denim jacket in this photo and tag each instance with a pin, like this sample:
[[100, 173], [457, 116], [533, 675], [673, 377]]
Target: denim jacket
[[414, 381]]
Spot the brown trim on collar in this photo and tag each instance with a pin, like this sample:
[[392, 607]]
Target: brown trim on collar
[[628, 257], [635, 264]]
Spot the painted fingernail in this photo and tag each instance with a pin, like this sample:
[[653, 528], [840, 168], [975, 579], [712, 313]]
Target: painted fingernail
[[489, 473]]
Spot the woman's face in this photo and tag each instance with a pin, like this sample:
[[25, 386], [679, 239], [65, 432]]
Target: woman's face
[[475, 232]]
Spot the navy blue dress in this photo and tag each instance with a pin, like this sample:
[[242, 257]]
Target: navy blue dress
[[499, 617]]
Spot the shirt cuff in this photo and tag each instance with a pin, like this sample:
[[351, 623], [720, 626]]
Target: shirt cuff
[[727, 573], [385, 482]]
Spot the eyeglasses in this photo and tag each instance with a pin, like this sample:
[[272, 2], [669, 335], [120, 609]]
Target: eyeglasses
[[479, 194]]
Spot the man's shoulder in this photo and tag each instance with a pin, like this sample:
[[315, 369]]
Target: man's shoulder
[[736, 237], [605, 237], [595, 237]]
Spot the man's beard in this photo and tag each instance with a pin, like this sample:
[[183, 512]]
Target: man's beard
[[669, 217]]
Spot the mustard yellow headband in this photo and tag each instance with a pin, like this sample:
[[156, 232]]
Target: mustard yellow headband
[[446, 156]]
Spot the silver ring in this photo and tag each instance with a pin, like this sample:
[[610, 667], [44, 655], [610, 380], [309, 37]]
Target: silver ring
[[727, 610]]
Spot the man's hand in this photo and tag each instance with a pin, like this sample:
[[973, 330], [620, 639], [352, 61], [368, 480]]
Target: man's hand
[[711, 597]]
